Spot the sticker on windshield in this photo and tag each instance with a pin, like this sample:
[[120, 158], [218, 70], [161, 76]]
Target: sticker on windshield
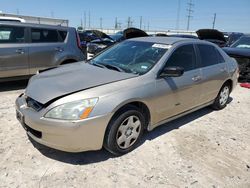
[[164, 46], [144, 67]]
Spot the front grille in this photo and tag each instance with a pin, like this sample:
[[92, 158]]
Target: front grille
[[34, 132], [34, 104]]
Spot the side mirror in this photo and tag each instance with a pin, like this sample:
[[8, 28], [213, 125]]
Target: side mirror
[[171, 72]]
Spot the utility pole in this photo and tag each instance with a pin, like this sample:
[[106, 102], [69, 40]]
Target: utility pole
[[148, 26], [129, 21], [178, 15], [140, 22], [85, 19], [17, 11], [190, 11], [52, 14], [214, 20], [101, 22], [116, 23], [81, 22], [89, 19]]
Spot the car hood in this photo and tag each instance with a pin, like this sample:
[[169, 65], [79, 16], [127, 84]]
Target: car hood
[[133, 33], [237, 52], [212, 34], [67, 79]]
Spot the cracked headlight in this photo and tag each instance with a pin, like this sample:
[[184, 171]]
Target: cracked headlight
[[76, 110]]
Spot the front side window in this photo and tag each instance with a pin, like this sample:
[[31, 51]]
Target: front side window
[[209, 55], [11, 34], [184, 57], [43, 35], [131, 56]]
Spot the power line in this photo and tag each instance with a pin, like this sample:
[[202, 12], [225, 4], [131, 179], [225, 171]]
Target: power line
[[190, 11]]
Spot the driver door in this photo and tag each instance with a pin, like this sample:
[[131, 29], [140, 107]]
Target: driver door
[[179, 94]]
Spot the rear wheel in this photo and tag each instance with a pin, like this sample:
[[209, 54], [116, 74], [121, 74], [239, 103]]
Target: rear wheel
[[124, 131], [222, 98]]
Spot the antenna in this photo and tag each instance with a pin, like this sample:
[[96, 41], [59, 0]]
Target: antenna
[[190, 11]]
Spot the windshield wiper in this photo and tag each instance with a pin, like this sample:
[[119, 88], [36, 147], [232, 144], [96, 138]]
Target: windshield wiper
[[114, 67], [98, 65], [106, 66]]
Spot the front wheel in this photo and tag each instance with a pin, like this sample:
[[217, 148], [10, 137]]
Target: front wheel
[[124, 131], [222, 98]]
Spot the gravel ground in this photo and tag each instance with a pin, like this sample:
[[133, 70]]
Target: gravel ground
[[203, 149]]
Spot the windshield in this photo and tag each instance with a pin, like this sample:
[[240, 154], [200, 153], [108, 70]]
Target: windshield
[[131, 56], [243, 42]]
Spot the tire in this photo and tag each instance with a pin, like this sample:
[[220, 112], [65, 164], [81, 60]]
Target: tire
[[222, 98], [124, 131]]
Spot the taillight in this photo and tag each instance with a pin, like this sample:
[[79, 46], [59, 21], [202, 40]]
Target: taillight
[[78, 41]]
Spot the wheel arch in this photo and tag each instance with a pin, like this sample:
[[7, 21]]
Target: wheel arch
[[230, 82], [136, 103]]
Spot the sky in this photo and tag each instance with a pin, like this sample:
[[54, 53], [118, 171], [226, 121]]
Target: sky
[[231, 15]]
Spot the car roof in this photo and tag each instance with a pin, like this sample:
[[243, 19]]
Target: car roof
[[33, 25], [167, 40]]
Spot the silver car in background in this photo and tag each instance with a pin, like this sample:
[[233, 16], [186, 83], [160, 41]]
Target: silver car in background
[[27, 48], [135, 85]]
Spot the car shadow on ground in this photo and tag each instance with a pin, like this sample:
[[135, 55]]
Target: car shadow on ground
[[102, 155], [13, 85]]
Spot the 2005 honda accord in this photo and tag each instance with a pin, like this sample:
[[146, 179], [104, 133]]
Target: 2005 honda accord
[[135, 85]]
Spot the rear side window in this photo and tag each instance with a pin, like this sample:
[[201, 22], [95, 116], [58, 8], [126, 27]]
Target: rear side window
[[44, 35], [209, 55], [184, 57], [63, 35], [11, 34]]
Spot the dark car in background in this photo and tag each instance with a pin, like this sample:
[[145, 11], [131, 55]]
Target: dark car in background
[[97, 38], [240, 50], [26, 48], [117, 37], [96, 46], [183, 36], [231, 37], [212, 35]]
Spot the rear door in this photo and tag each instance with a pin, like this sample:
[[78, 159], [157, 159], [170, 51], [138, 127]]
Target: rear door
[[13, 51], [214, 71], [179, 94], [45, 49]]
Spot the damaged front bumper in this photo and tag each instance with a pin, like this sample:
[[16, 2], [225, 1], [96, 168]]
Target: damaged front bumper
[[70, 136]]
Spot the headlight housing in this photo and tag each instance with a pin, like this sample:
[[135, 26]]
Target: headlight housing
[[76, 110]]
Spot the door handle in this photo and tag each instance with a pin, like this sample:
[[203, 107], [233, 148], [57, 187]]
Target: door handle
[[223, 69], [20, 51], [58, 49], [196, 78]]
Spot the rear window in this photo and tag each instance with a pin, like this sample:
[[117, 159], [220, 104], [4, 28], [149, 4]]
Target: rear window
[[209, 55], [63, 35], [11, 34], [44, 35]]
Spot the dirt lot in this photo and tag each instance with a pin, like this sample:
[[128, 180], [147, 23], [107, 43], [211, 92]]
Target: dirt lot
[[204, 149]]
